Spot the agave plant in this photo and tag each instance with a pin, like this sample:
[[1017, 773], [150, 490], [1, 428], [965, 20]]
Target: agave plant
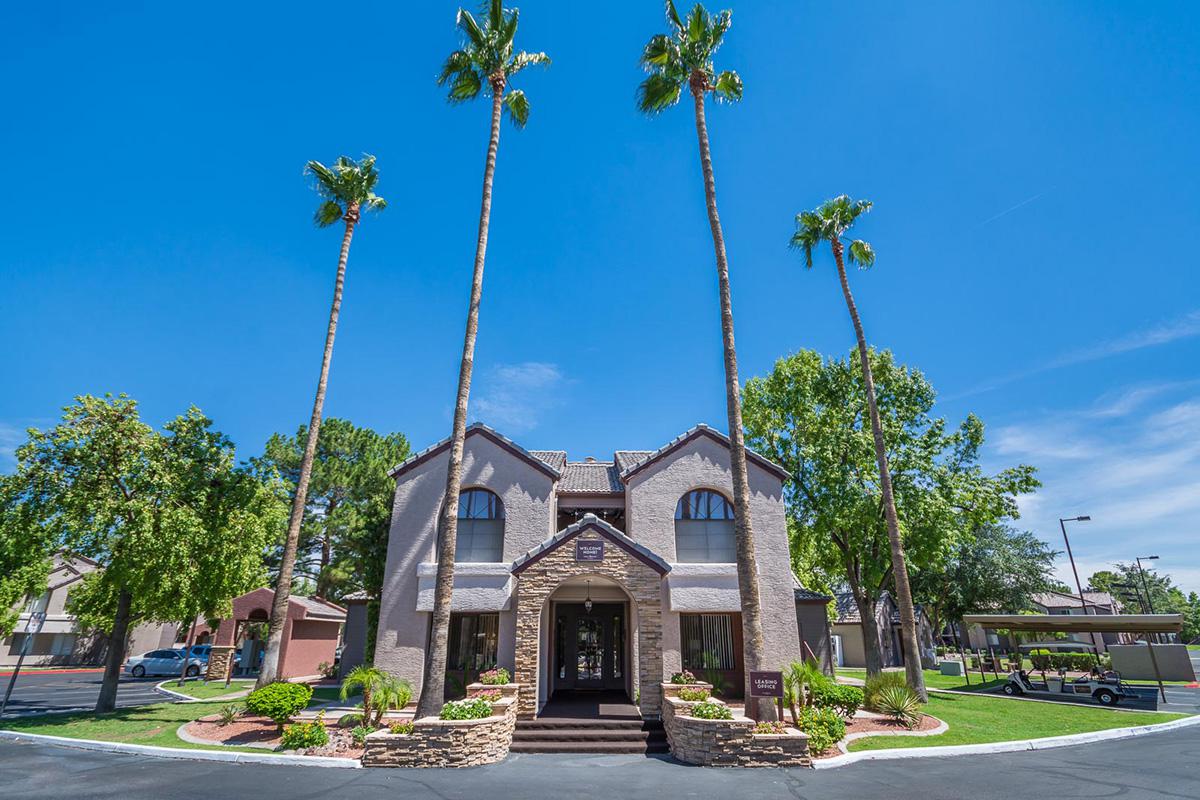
[[900, 703]]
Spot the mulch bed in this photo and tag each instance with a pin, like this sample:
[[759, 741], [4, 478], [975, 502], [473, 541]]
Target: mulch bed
[[881, 726], [255, 731]]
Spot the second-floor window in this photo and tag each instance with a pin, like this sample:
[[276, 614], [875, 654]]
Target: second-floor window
[[704, 529], [480, 527]]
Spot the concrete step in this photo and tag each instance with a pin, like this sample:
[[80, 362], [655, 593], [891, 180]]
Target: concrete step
[[590, 747], [551, 724], [588, 735]]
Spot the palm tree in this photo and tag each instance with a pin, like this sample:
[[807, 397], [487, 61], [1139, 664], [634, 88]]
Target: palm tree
[[828, 223], [347, 189], [484, 65], [381, 691], [685, 57]]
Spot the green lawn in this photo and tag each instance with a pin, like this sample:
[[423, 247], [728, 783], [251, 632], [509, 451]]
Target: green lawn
[[153, 725], [936, 680], [204, 691], [323, 694], [974, 720]]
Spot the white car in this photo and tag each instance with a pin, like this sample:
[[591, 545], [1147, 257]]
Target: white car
[[160, 662]]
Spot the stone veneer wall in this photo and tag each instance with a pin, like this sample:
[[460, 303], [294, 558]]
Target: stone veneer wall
[[538, 581], [220, 661], [728, 742], [449, 743]]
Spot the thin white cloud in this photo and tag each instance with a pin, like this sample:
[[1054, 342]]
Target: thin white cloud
[[10, 438], [1132, 463], [513, 397], [1185, 327]]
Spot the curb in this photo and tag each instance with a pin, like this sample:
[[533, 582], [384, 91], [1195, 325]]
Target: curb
[[155, 751], [941, 728], [1046, 743], [187, 698]]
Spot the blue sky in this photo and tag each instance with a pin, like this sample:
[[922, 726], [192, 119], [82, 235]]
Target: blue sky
[[1033, 165]]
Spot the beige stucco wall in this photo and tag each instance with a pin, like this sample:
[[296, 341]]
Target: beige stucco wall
[[703, 463], [529, 516]]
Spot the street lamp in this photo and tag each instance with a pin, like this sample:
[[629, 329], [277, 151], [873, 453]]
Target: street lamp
[[1145, 588], [1062, 523]]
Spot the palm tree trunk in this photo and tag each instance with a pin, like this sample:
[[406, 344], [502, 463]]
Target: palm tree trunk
[[107, 701], [908, 618], [747, 568], [283, 586], [433, 679]]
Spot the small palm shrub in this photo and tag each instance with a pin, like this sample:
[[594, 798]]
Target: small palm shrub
[[683, 676], [304, 735], [823, 726], [470, 708], [279, 701], [710, 710], [401, 728], [799, 679], [380, 690], [901, 704], [693, 694], [770, 727], [495, 677], [228, 714], [877, 683]]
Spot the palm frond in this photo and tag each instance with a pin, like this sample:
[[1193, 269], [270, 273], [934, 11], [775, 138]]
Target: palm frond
[[375, 203], [673, 16], [658, 92], [471, 28], [660, 51], [728, 86], [805, 239], [467, 85], [509, 29], [697, 23], [322, 173], [495, 15], [517, 106], [328, 213], [456, 62], [861, 253], [522, 60], [717, 31]]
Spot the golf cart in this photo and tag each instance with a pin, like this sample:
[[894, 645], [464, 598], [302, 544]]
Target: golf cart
[[1107, 689]]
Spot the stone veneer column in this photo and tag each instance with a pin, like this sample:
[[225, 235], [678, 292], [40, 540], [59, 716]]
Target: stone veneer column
[[540, 579], [220, 662]]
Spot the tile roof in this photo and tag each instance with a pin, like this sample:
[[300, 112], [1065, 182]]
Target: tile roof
[[703, 430], [315, 606], [473, 429], [846, 610], [802, 593], [627, 459], [590, 477], [640, 551], [555, 458]]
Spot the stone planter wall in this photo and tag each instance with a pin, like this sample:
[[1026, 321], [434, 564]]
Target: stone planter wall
[[449, 743], [728, 742]]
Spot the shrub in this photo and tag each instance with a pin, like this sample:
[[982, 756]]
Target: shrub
[[683, 677], [770, 727], [716, 679], [694, 694], [877, 683], [360, 734], [471, 708], [380, 691], [279, 701], [326, 669], [304, 735], [491, 695], [710, 710], [495, 677], [845, 700], [351, 720], [401, 728], [901, 704], [228, 713], [824, 727]]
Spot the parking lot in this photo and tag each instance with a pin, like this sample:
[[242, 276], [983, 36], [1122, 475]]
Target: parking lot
[[41, 691]]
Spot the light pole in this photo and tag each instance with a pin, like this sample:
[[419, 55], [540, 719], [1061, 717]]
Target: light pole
[[1145, 587], [1062, 523]]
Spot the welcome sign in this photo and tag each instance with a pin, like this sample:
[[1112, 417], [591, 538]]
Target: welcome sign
[[589, 549]]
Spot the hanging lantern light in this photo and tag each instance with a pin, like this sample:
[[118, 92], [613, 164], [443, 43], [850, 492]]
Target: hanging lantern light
[[587, 603]]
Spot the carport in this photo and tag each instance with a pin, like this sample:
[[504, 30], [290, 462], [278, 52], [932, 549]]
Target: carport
[[1138, 624]]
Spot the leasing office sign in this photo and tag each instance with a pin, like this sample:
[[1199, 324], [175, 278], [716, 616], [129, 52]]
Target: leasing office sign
[[766, 684], [589, 549]]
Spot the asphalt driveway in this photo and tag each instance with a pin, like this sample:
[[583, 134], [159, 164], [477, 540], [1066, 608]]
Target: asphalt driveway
[[1155, 766], [38, 692]]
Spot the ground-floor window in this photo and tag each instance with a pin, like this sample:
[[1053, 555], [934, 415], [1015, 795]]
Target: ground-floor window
[[711, 648], [472, 648]]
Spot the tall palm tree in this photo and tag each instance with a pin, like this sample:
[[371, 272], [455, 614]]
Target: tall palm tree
[[828, 223], [485, 65], [685, 57], [347, 189]]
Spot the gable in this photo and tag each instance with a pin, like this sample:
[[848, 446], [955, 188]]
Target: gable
[[479, 429], [590, 522]]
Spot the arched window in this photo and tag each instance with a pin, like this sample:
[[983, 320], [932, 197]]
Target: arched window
[[480, 527], [704, 529]]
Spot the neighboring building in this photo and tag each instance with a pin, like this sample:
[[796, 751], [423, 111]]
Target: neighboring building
[[977, 638], [61, 642], [607, 575], [847, 625], [310, 635], [812, 619]]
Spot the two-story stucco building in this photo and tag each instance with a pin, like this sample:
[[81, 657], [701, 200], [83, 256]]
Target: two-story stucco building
[[588, 575]]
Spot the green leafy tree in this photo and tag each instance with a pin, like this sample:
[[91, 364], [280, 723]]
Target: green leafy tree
[[177, 529], [809, 415], [995, 568], [684, 57], [1151, 592], [485, 64], [26, 554], [347, 189], [829, 223]]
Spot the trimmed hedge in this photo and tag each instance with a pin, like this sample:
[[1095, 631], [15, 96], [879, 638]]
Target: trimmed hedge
[[279, 701], [824, 727], [845, 700]]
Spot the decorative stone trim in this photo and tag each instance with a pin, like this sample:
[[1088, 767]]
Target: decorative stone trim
[[728, 742], [220, 662], [438, 742], [672, 689]]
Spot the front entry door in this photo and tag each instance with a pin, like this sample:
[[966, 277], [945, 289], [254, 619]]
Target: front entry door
[[589, 647]]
